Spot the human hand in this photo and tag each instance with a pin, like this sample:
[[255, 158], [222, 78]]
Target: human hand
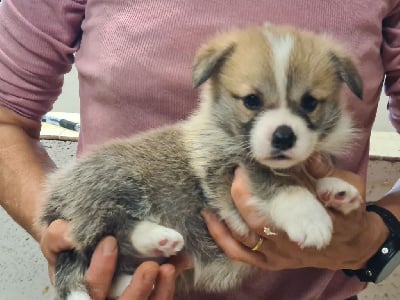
[[55, 239], [150, 281], [357, 236]]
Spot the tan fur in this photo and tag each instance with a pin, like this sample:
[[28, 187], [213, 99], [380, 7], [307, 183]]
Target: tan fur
[[248, 68]]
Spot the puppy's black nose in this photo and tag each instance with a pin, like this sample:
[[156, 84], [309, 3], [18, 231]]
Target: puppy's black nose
[[283, 138]]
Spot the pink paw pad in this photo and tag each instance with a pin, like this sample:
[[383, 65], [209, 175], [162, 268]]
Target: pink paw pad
[[151, 239], [168, 246], [338, 194], [163, 242]]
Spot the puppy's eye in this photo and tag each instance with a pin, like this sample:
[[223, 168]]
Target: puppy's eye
[[309, 103], [252, 102]]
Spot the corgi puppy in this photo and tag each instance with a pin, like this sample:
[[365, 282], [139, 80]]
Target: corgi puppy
[[271, 96]]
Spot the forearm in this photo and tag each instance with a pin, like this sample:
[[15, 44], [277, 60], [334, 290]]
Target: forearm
[[31, 77], [24, 164]]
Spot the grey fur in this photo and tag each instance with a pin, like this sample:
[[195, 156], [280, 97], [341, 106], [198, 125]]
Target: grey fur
[[168, 176]]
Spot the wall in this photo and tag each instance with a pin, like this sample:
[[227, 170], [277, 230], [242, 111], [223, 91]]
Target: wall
[[69, 102], [69, 98]]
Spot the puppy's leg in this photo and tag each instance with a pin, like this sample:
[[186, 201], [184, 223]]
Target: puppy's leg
[[339, 194], [297, 211], [151, 239]]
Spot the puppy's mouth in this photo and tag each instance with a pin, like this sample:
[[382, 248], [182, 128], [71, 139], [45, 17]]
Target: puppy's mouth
[[278, 161], [280, 157]]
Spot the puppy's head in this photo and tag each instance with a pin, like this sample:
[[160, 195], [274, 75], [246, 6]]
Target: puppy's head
[[277, 91]]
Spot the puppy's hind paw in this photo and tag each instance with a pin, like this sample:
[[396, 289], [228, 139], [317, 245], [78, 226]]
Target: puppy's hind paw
[[153, 240], [338, 194]]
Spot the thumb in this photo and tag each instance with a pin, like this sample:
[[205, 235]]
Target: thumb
[[319, 166], [244, 201]]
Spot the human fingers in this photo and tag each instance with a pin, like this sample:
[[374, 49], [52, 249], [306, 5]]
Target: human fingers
[[279, 252], [244, 201], [272, 253], [102, 267], [142, 283], [233, 248], [55, 239], [164, 288], [182, 261], [151, 281]]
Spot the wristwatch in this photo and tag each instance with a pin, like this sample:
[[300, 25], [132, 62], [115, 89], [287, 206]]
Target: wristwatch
[[382, 264]]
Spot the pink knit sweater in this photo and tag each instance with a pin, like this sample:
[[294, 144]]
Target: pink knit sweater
[[134, 63]]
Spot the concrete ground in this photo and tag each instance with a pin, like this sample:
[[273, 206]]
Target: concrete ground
[[23, 270]]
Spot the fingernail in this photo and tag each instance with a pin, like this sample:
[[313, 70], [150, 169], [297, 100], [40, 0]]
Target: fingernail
[[108, 246]]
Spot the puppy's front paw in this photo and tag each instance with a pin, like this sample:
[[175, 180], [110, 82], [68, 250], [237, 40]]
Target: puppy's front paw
[[312, 230], [151, 239], [339, 194], [302, 217]]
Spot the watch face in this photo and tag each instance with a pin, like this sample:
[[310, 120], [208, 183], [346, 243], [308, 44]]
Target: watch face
[[389, 267]]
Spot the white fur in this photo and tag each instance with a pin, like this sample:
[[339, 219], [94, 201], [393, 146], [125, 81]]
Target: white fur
[[119, 284], [300, 215], [338, 141], [147, 239], [261, 138], [78, 295], [281, 47]]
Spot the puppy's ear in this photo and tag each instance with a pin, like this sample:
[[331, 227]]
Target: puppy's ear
[[348, 73], [209, 59]]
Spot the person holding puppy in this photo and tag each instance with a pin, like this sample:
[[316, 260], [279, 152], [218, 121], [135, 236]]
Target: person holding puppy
[[133, 60]]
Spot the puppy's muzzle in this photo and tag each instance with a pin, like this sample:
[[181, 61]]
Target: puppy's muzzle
[[283, 138]]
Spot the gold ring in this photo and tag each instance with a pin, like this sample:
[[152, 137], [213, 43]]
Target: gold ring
[[268, 231], [258, 245]]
